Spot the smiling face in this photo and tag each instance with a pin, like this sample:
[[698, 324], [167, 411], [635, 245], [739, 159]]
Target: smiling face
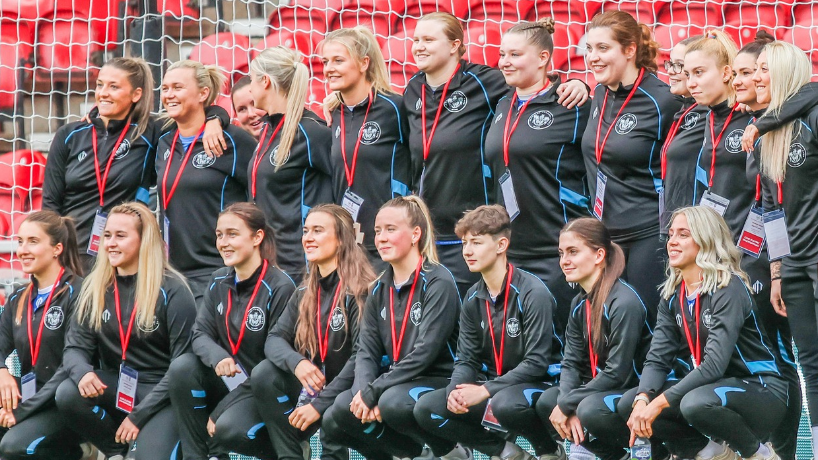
[[677, 80], [482, 251], [705, 80], [606, 58], [394, 234], [744, 68], [319, 239], [181, 95], [35, 250], [247, 114], [235, 241], [122, 240], [522, 64], [114, 94], [761, 79], [340, 69], [681, 249], [431, 48], [579, 262]]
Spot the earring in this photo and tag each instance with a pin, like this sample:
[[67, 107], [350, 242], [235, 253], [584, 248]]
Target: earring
[[413, 243]]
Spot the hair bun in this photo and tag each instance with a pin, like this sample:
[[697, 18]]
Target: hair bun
[[548, 24], [764, 37]]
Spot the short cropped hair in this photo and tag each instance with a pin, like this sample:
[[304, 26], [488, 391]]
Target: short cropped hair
[[490, 220]]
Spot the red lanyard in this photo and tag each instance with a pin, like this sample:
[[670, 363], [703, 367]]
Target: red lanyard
[[350, 170], [594, 357], [323, 343], [778, 186], [102, 179], [235, 347], [498, 358], [696, 352], [124, 339], [35, 349], [397, 342], [598, 149], [260, 154], [506, 133], [165, 195], [716, 141], [427, 143], [674, 128], [780, 194]]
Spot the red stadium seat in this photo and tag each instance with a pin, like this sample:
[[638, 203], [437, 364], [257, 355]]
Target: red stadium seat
[[566, 42], [178, 9], [804, 34], [483, 42], [643, 11], [315, 96], [16, 49], [576, 68], [668, 35], [21, 180], [227, 50], [744, 20], [564, 13], [693, 18], [66, 50], [398, 54], [300, 42], [376, 15], [296, 18], [419, 8], [500, 10]]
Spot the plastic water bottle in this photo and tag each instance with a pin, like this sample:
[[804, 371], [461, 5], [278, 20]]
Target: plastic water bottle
[[641, 449], [305, 398]]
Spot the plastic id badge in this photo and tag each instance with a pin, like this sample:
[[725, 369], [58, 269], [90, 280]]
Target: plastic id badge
[[29, 384], [166, 232], [752, 235], [490, 421], [509, 197], [661, 193], [715, 202], [778, 240], [96, 233], [126, 389], [599, 201], [352, 203], [233, 382]]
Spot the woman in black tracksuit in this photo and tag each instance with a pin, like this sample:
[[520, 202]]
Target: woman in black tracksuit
[[407, 342], [193, 186], [34, 322], [533, 147], [308, 351], [370, 155], [631, 115], [97, 164], [507, 365], [133, 318], [605, 343], [788, 161], [210, 388], [290, 171], [735, 391]]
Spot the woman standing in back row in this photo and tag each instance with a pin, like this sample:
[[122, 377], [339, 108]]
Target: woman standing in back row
[[630, 116]]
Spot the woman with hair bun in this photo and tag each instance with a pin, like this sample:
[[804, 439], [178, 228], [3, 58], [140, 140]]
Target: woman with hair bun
[[605, 342], [370, 154], [406, 344], [631, 114], [195, 187], [34, 322], [291, 170], [450, 103]]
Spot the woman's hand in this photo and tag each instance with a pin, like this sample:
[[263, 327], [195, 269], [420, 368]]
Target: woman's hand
[[302, 417], [91, 386], [749, 138], [775, 298], [211, 427], [9, 393], [127, 432], [213, 138], [227, 368], [643, 415], [7, 419], [311, 378], [572, 93], [469, 395]]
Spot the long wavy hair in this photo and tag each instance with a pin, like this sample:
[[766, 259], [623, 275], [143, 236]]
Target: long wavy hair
[[354, 272], [718, 256]]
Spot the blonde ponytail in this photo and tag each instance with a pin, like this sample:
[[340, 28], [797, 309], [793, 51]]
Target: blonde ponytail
[[419, 216]]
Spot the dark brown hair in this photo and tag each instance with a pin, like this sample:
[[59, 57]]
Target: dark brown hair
[[139, 76], [354, 273], [60, 230], [537, 34], [243, 81], [627, 31], [452, 27], [489, 220], [596, 236], [756, 46], [255, 220]]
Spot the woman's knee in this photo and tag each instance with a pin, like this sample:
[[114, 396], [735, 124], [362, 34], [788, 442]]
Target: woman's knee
[[263, 377], [697, 405], [547, 402], [68, 396], [338, 415], [430, 407]]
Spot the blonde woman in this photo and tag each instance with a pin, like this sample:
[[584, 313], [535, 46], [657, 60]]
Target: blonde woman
[[370, 153], [134, 316], [788, 166], [707, 318], [290, 171], [194, 187], [406, 344]]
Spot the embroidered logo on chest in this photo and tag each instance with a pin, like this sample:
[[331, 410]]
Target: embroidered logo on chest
[[220, 308], [418, 104], [273, 157], [82, 156], [255, 319], [202, 160], [337, 132], [106, 316], [690, 121], [166, 154], [123, 149], [456, 102], [370, 132], [336, 321], [513, 328], [707, 318], [415, 313], [154, 326], [797, 155], [626, 123], [540, 119], [733, 141], [54, 317]]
